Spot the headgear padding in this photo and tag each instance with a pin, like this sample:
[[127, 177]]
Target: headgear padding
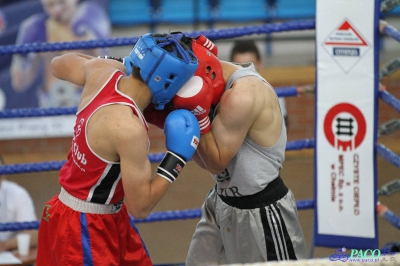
[[163, 72], [209, 66]]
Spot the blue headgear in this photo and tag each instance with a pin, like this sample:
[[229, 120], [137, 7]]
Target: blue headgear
[[163, 72]]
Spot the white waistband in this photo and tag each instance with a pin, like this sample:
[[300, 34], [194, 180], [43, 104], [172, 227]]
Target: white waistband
[[87, 207]]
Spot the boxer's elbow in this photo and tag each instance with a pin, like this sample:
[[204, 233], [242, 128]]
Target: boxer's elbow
[[216, 171], [216, 167], [56, 63], [139, 213], [136, 209], [213, 164]]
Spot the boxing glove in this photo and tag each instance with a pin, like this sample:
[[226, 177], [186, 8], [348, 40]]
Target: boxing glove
[[203, 40], [157, 117], [196, 96], [182, 134], [90, 18], [126, 61]]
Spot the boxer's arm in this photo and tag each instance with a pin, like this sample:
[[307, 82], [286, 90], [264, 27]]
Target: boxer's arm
[[77, 67], [70, 67], [229, 129], [142, 192], [196, 158]]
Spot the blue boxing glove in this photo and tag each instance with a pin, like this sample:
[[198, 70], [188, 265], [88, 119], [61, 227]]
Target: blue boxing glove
[[91, 18], [182, 133]]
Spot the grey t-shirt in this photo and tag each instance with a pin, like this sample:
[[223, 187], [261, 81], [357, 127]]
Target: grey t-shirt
[[254, 166]]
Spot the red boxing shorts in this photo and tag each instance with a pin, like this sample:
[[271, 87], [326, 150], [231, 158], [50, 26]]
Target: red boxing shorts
[[70, 237]]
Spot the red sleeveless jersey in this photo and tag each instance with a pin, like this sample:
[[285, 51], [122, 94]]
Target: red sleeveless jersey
[[86, 175]]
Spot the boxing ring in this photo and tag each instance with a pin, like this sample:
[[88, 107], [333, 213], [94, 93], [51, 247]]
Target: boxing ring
[[227, 33]]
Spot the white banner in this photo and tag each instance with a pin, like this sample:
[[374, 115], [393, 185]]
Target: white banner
[[37, 127], [345, 120]]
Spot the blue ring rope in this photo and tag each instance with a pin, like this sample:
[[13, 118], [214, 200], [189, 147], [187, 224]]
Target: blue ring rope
[[181, 215], [295, 25]]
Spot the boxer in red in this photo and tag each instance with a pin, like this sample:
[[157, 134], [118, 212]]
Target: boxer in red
[[108, 174]]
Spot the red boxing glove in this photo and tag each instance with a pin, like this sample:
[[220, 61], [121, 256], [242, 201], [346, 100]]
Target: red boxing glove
[[196, 96], [203, 40], [157, 117]]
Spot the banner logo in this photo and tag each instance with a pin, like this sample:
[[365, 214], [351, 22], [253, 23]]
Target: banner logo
[[346, 46], [345, 127]]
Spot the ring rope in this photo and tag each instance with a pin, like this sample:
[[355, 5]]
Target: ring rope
[[38, 112], [154, 158], [389, 99], [388, 155], [153, 217], [391, 217], [383, 151], [391, 31], [280, 91], [211, 34]]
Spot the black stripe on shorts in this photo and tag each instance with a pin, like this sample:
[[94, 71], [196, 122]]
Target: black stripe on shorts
[[276, 235], [288, 241], [277, 225], [269, 242]]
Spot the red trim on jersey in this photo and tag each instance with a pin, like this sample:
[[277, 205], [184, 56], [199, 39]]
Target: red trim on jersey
[[86, 175]]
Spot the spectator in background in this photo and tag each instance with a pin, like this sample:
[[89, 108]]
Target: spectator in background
[[16, 205], [245, 51], [63, 21]]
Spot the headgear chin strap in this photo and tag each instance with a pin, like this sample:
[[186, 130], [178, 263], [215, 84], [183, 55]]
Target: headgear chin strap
[[163, 72], [209, 66]]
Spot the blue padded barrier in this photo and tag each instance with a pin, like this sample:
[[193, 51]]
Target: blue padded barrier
[[130, 12], [239, 10], [289, 9], [173, 11]]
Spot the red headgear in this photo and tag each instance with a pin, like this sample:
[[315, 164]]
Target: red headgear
[[209, 66]]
